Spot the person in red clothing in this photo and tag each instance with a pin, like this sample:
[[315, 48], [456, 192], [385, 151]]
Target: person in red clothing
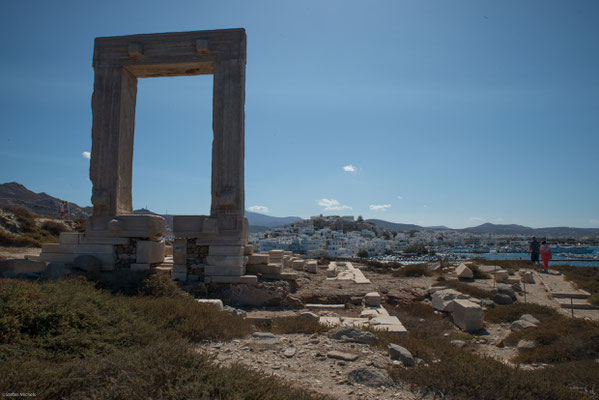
[[545, 254]]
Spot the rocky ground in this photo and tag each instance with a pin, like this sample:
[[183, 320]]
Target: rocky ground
[[18, 252], [316, 362], [346, 369]]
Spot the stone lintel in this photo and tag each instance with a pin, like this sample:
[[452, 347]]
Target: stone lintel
[[127, 226], [178, 47]]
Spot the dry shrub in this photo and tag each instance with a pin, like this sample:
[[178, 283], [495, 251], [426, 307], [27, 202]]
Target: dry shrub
[[560, 339], [68, 339], [513, 264], [512, 312], [413, 270], [586, 278], [161, 370], [460, 374], [9, 239], [54, 228], [477, 273]]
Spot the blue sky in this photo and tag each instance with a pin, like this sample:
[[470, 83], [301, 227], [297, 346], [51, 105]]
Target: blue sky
[[429, 112]]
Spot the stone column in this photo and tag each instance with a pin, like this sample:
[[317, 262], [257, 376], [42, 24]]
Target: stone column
[[228, 149], [113, 107]]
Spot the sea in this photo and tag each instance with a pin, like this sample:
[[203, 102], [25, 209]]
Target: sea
[[560, 259]]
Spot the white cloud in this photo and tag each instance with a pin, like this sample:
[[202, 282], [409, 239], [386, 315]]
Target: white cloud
[[350, 168], [258, 209], [477, 219], [379, 207], [332, 204], [594, 221], [86, 154], [399, 197], [425, 206]]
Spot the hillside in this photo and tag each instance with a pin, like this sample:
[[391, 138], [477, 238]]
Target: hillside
[[257, 219], [15, 194], [392, 226]]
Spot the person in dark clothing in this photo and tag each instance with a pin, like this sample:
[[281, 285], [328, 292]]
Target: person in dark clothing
[[534, 249]]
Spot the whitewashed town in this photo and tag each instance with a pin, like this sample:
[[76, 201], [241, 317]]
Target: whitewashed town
[[349, 237]]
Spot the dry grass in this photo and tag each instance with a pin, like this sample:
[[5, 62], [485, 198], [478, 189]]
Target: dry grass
[[586, 278], [26, 233], [413, 270], [71, 340]]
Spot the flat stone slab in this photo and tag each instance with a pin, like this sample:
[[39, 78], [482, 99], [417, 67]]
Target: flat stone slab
[[330, 321], [231, 279], [325, 306], [576, 304], [579, 294], [216, 303], [388, 324], [339, 355], [356, 322]]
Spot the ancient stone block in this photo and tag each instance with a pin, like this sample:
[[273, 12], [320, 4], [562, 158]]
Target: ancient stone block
[[140, 267], [372, 299], [258, 259], [210, 270], [463, 272], [127, 226], [149, 252], [216, 303], [297, 265], [231, 279], [19, 265], [69, 237], [219, 250], [264, 269], [179, 269], [182, 277], [467, 315], [226, 261]]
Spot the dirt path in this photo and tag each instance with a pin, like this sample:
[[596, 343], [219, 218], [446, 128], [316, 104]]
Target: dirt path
[[18, 252], [301, 359]]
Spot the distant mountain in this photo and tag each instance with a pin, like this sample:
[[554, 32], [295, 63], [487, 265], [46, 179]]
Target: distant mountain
[[438, 228], [257, 219], [513, 229], [392, 226], [15, 194], [500, 229]]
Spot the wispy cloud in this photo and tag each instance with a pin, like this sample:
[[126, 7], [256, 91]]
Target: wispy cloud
[[258, 209], [350, 168], [425, 206], [477, 219], [332, 204], [400, 197], [86, 154], [594, 221], [379, 207]]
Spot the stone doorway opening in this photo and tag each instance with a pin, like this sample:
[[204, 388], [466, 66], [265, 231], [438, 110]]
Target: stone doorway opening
[[173, 140]]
